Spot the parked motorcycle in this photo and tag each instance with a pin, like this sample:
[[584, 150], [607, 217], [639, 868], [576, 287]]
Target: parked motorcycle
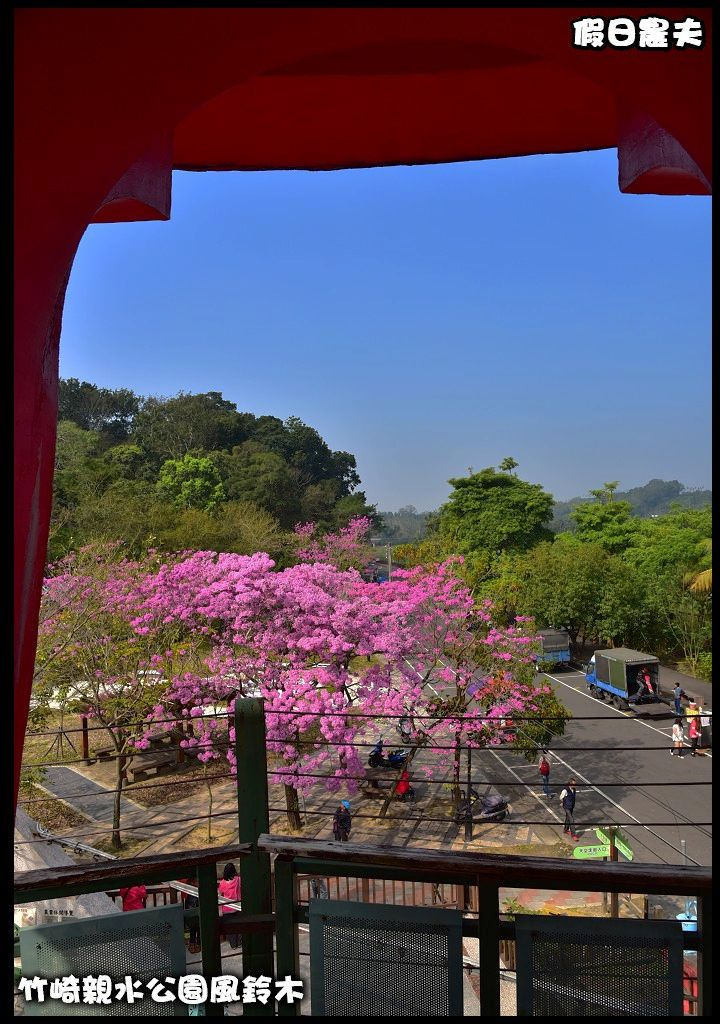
[[482, 808], [394, 759]]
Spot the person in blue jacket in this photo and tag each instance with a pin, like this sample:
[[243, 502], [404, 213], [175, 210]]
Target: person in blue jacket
[[342, 822], [568, 801]]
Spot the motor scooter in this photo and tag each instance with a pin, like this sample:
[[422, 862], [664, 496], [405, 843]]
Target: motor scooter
[[482, 808], [394, 759]]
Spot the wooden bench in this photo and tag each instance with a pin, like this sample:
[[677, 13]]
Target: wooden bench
[[104, 753], [157, 764], [376, 782], [158, 740]]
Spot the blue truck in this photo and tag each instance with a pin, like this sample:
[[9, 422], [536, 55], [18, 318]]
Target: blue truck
[[555, 651], [623, 677]]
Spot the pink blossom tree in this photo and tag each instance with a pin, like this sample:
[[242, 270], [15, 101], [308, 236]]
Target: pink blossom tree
[[295, 637], [331, 654], [91, 658], [349, 548]]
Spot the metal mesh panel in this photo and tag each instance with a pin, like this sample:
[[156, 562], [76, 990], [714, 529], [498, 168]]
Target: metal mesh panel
[[375, 960], [144, 944], [592, 967]]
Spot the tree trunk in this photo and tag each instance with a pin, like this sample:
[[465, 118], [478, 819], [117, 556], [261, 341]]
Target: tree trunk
[[119, 779], [405, 765], [293, 807], [456, 792], [210, 805]]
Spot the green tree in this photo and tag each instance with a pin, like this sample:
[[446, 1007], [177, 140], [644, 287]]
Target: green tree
[[109, 412], [608, 523], [191, 482], [263, 478], [606, 492], [89, 657], [577, 586], [508, 465], [74, 446], [168, 428], [353, 506], [686, 616], [494, 512], [80, 478], [682, 538], [314, 460], [239, 527], [425, 552], [127, 460]]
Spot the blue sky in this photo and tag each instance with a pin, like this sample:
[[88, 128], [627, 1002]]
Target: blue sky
[[427, 319]]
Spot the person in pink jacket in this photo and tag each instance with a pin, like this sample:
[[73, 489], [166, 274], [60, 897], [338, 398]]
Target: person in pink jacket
[[229, 887], [133, 897]]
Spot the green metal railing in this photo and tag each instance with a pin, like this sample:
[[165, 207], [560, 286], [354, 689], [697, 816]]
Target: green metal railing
[[485, 874]]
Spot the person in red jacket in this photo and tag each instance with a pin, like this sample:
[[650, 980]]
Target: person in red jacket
[[133, 897], [544, 769], [229, 887], [404, 790]]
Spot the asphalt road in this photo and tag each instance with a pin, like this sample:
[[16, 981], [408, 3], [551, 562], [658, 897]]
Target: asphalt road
[[635, 749]]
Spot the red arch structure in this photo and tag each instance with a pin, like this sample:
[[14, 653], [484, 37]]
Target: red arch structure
[[109, 101]]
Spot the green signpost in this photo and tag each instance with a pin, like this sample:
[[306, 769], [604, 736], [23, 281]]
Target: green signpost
[[586, 852], [621, 842]]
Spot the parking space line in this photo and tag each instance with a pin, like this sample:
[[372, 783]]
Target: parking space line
[[529, 789]]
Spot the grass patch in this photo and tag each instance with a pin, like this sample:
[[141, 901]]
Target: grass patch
[[129, 848], [186, 780], [52, 745], [48, 810]]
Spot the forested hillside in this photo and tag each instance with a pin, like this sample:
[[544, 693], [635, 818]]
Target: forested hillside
[[652, 499], [191, 471]]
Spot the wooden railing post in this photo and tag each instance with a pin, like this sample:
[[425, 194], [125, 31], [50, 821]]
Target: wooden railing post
[[85, 739], [209, 932], [286, 932], [253, 821]]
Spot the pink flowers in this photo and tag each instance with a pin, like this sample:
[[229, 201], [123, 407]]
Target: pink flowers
[[319, 644]]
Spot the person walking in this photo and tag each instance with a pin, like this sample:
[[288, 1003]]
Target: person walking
[[692, 710], [678, 738], [319, 889], [342, 822], [678, 693], [133, 897], [544, 769], [568, 801], [229, 888], [694, 732]]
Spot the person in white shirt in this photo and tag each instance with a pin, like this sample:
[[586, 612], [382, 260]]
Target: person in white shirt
[[678, 738]]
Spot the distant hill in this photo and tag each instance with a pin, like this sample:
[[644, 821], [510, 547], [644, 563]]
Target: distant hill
[[406, 526], [652, 499]]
